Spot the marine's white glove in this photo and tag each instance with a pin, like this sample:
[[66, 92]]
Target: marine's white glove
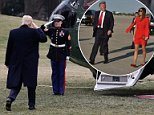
[[67, 58]]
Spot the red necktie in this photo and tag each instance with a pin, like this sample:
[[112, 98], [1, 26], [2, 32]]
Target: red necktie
[[100, 19]]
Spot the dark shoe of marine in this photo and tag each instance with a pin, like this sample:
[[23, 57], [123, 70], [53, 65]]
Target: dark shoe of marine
[[31, 107], [55, 94], [61, 94], [8, 104]]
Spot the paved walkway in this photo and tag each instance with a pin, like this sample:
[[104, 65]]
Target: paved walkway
[[120, 54]]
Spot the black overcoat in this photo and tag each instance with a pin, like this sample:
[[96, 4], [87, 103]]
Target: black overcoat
[[22, 56]]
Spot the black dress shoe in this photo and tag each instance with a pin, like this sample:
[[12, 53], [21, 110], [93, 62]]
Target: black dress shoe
[[31, 107], [106, 61], [55, 94], [92, 62], [61, 94], [8, 104]]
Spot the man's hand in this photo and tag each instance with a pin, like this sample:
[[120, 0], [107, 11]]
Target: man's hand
[[146, 38], [33, 25], [109, 32]]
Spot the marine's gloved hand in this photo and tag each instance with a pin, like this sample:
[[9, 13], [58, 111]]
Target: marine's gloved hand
[[42, 27], [67, 58]]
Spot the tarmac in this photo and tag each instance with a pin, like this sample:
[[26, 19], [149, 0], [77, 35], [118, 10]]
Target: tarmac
[[120, 52]]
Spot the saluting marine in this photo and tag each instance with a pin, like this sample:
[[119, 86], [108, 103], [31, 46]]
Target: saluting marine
[[60, 47]]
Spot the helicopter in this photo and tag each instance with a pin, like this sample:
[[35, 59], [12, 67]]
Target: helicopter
[[73, 11]]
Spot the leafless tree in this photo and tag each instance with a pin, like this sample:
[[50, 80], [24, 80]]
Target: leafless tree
[[40, 8]]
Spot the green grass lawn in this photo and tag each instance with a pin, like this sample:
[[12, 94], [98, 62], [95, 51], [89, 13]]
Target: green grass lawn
[[79, 99]]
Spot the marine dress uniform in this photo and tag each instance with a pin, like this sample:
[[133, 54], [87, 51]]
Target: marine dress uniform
[[59, 50]]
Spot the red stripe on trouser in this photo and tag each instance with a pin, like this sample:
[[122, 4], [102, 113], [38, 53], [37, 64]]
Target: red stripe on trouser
[[65, 76]]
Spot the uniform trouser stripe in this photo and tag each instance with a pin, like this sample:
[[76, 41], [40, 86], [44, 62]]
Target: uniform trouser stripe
[[64, 77]]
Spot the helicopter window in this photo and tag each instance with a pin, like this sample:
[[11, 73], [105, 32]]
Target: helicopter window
[[70, 19], [68, 9]]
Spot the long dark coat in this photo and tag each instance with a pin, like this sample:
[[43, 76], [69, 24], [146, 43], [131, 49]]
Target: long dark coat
[[22, 56]]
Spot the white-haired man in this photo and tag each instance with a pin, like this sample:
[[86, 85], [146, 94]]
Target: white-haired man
[[22, 60]]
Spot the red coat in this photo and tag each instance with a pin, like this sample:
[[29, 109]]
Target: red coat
[[141, 30]]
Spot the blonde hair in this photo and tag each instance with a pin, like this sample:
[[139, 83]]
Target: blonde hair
[[27, 20], [103, 2]]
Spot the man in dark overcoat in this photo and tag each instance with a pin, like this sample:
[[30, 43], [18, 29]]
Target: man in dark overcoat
[[22, 56], [103, 29]]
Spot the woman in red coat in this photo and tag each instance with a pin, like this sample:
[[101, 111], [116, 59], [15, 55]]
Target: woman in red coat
[[141, 34]]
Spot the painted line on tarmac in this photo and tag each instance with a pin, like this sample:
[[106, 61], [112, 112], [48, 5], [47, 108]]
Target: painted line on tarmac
[[67, 87]]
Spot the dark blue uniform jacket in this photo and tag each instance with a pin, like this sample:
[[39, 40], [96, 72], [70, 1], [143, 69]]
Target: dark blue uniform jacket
[[58, 37]]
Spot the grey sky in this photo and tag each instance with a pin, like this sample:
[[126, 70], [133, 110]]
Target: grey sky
[[123, 6]]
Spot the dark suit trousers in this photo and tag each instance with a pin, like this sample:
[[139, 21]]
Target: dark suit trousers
[[31, 94], [101, 40]]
